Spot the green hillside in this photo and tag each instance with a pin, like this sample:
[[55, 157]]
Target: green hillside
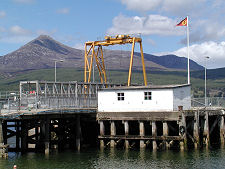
[[215, 86]]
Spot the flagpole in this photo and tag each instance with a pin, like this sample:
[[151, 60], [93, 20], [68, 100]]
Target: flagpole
[[188, 51]]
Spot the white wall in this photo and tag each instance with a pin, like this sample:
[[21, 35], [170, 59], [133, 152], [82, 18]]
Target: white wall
[[162, 100], [182, 97]]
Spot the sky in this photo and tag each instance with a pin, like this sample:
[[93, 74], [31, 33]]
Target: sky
[[73, 22]]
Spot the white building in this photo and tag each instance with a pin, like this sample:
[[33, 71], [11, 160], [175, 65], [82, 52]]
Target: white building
[[144, 98]]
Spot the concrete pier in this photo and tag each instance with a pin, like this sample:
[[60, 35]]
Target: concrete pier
[[3, 147], [153, 130], [166, 133], [24, 137], [112, 133], [196, 130], [1, 133], [206, 140], [78, 132], [222, 131], [126, 130], [102, 133], [154, 134], [47, 136], [142, 134]]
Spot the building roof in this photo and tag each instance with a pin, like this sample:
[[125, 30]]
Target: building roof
[[145, 87]]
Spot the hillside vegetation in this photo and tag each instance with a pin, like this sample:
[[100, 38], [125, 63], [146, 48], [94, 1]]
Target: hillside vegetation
[[215, 87]]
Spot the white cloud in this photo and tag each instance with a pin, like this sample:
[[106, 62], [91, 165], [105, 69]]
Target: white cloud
[[79, 46], [2, 14], [2, 29], [141, 5], [16, 39], [16, 34], [17, 30], [182, 7], [151, 24], [63, 11], [150, 41], [198, 52], [46, 32], [173, 6], [24, 1]]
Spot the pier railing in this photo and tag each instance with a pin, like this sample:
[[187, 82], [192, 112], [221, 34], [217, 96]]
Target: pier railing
[[54, 95], [61, 95], [210, 101]]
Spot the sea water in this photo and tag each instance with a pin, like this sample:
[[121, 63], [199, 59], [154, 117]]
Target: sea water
[[121, 159]]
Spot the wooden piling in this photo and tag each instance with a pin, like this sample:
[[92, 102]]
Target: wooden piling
[[126, 129], [17, 128], [36, 136], [4, 130], [47, 136], [142, 134], [222, 131], [196, 130], [185, 130], [206, 140], [165, 133], [102, 133], [24, 136], [3, 147], [1, 133], [112, 133], [154, 133], [78, 132]]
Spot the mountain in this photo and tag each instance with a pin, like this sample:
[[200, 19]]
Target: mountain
[[42, 52], [173, 62], [211, 74]]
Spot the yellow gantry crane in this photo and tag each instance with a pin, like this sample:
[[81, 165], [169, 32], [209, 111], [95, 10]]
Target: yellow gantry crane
[[93, 50]]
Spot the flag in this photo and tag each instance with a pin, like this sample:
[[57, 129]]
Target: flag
[[183, 22]]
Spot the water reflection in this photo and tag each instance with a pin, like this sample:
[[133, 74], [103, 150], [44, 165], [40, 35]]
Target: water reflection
[[113, 158]]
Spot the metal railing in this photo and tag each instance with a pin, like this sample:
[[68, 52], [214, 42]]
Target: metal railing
[[63, 101], [210, 101], [57, 102]]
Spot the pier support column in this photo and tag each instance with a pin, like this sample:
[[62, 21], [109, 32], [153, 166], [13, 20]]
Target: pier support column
[[154, 134], [142, 133], [222, 131], [17, 123], [24, 136], [196, 130], [36, 136], [47, 136], [1, 133], [78, 133], [3, 147], [1, 140], [206, 140], [112, 133], [4, 130], [181, 128], [102, 133], [166, 133], [126, 129], [183, 132]]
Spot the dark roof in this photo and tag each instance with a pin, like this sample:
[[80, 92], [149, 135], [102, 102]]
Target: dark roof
[[146, 87]]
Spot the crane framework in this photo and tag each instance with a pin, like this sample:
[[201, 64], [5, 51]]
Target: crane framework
[[93, 50]]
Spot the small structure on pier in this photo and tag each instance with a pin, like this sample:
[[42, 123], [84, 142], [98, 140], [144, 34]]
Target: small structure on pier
[[144, 98]]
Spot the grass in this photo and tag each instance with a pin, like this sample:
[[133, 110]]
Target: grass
[[119, 76]]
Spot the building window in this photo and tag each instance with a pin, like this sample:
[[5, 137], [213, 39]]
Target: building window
[[120, 96], [148, 95]]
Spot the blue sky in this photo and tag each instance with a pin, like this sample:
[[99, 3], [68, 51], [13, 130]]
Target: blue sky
[[73, 22]]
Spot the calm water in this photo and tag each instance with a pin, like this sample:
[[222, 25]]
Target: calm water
[[112, 159]]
